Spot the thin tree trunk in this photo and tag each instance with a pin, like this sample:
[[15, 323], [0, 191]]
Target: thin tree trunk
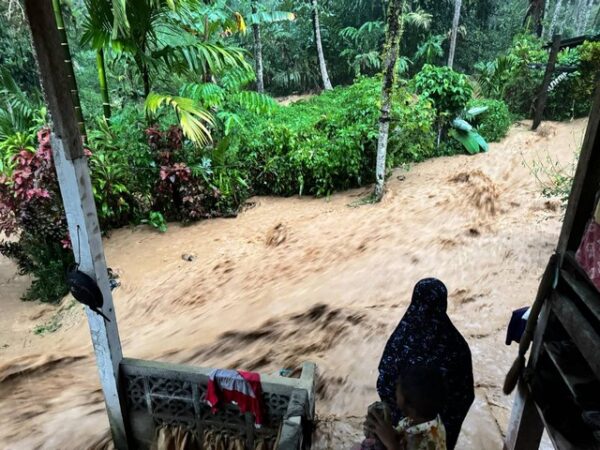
[[454, 35], [146, 80], [588, 13], [317, 29], [542, 97], [395, 28], [60, 24], [579, 16], [103, 83], [555, 16], [258, 58], [536, 13]]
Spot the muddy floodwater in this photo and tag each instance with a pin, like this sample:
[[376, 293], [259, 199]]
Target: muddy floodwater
[[297, 279]]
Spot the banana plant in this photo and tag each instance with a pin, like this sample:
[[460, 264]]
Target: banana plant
[[464, 132]]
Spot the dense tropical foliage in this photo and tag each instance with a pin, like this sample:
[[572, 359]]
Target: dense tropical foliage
[[181, 121]]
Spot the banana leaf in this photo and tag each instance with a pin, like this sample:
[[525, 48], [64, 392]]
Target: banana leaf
[[461, 124], [481, 141], [468, 139], [476, 110]]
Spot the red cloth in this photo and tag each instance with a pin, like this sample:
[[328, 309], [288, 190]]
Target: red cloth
[[239, 387], [588, 253]]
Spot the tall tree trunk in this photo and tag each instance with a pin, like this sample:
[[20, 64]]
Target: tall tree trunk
[[579, 16], [557, 10], [317, 29], [146, 80], [454, 35], [535, 13], [103, 83], [588, 13], [395, 28], [60, 24], [258, 58]]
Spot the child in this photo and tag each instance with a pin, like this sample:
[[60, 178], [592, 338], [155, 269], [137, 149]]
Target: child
[[419, 395]]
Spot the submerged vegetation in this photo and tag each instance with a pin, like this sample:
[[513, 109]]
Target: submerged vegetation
[[181, 124]]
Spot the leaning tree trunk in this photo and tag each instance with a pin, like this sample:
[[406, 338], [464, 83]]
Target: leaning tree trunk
[[258, 58], [535, 13], [395, 28], [103, 83], [60, 24], [555, 16], [317, 29], [454, 35]]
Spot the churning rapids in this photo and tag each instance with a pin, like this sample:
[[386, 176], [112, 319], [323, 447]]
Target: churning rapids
[[295, 279]]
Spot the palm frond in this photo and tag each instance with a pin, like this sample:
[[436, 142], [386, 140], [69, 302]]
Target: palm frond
[[201, 58], [264, 17], [238, 77], [210, 95], [418, 18], [255, 102], [120, 19], [194, 120], [349, 33]]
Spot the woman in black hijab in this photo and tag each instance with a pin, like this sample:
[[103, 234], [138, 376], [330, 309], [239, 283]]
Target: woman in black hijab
[[427, 337]]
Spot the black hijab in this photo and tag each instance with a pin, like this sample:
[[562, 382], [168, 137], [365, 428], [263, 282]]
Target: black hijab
[[426, 337]]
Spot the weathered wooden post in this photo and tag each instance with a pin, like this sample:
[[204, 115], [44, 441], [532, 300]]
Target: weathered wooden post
[[542, 97], [78, 199]]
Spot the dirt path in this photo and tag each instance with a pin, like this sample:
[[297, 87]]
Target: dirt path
[[328, 285]]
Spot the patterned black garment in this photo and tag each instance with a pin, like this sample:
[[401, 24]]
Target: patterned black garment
[[427, 337]]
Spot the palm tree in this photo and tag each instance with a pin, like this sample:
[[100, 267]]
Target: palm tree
[[257, 19], [164, 36], [317, 30], [397, 16], [69, 63], [454, 32], [258, 58]]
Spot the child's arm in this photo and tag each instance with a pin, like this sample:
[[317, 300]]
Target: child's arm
[[384, 431]]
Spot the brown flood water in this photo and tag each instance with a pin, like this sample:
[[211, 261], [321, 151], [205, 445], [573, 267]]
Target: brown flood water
[[328, 285]]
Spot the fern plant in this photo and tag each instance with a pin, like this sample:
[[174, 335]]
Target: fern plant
[[21, 116], [363, 54]]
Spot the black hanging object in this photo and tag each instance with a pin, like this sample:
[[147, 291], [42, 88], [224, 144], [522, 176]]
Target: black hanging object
[[86, 291]]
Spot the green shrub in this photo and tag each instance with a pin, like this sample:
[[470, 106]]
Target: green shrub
[[122, 168], [516, 77], [449, 90], [494, 123], [329, 142]]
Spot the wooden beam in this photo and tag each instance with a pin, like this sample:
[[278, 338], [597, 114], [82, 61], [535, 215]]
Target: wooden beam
[[542, 97], [78, 199], [581, 331], [54, 76], [525, 428], [585, 184]]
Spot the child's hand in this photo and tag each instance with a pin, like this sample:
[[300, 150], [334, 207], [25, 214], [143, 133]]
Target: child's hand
[[384, 431]]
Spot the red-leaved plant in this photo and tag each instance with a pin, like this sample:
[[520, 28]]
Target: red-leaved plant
[[178, 194], [31, 209]]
